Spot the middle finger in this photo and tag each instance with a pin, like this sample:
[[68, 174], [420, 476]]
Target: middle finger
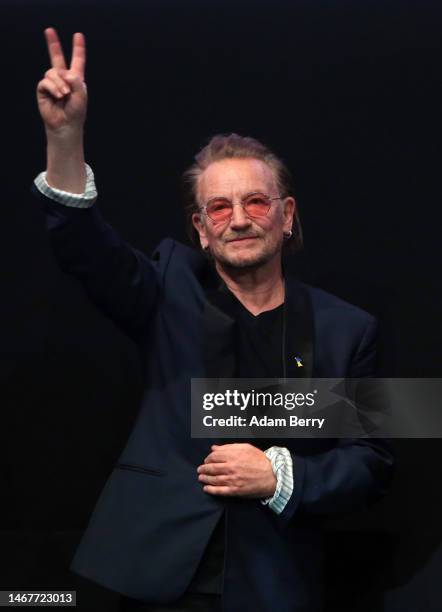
[[213, 468]]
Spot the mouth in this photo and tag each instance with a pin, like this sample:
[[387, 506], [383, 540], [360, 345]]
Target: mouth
[[243, 239]]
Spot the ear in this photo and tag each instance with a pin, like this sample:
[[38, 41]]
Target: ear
[[289, 212], [200, 226]]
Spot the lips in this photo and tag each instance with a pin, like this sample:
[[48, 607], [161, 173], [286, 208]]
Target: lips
[[242, 238]]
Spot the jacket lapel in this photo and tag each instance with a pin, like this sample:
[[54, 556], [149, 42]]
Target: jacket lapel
[[219, 329], [299, 330]]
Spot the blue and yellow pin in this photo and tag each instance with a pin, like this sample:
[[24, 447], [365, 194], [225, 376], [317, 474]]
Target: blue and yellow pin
[[299, 362]]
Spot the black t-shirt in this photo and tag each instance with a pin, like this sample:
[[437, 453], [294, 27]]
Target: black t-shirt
[[259, 343], [258, 355]]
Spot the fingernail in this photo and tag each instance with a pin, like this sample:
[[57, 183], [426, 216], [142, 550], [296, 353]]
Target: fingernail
[[65, 90]]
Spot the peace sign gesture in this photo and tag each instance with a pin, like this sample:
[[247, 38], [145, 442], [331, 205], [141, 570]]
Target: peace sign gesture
[[61, 94]]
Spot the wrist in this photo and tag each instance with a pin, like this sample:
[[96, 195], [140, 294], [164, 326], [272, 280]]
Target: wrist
[[271, 489], [70, 199], [65, 166], [65, 137]]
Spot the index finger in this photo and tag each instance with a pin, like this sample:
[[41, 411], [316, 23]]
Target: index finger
[[215, 457], [78, 61], [54, 49]]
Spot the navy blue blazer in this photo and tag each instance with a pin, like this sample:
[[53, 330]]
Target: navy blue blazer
[[153, 521]]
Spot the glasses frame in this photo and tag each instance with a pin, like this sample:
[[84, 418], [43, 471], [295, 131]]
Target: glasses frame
[[203, 209]]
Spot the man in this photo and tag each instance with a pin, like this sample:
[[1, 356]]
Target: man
[[184, 524]]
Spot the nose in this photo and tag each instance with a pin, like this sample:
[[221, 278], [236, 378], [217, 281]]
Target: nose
[[239, 218]]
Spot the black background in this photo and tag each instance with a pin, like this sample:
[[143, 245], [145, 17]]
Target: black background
[[349, 95]]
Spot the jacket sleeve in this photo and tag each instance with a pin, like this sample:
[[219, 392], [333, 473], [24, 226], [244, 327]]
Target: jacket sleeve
[[120, 280], [352, 474]]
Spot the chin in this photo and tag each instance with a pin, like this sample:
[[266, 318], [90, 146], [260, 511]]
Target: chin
[[243, 260]]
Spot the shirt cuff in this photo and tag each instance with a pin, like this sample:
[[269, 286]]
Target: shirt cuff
[[282, 465], [76, 200]]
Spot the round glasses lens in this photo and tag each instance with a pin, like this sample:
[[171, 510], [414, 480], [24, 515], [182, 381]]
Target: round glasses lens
[[219, 209], [257, 205]]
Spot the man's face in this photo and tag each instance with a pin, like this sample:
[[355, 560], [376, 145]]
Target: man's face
[[242, 241]]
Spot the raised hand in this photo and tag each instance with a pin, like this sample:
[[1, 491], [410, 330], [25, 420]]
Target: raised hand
[[61, 94]]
